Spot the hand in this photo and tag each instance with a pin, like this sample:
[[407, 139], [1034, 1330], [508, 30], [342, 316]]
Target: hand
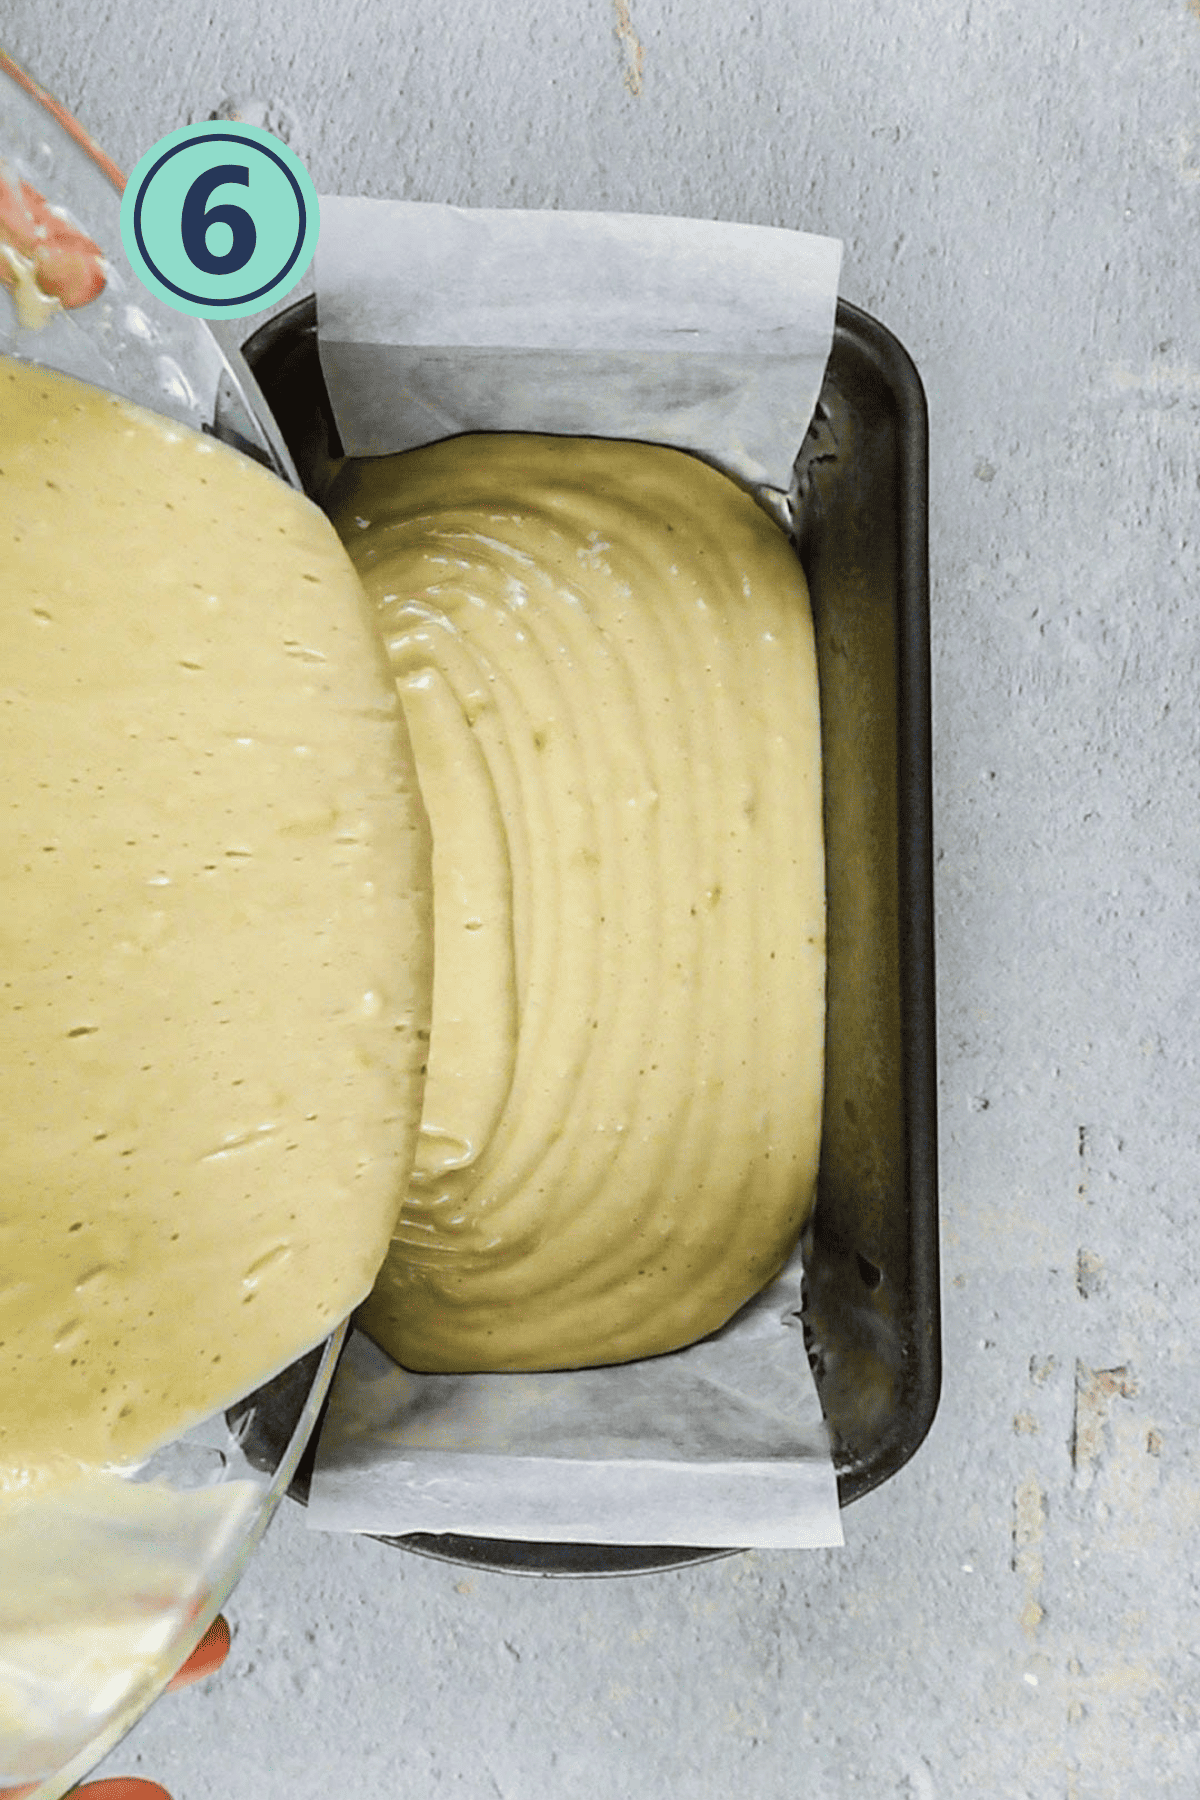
[[208, 1656]]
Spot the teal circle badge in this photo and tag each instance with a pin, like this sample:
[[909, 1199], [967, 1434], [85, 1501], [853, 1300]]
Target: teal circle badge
[[220, 219]]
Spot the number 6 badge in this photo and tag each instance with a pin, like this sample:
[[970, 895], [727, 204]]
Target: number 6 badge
[[220, 219]]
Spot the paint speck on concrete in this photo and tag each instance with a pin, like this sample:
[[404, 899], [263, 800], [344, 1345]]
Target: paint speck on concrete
[[1095, 1391], [1089, 1274], [250, 109], [918, 1783], [628, 39], [1028, 1530]]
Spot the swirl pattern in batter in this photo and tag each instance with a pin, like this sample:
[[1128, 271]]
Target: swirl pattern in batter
[[605, 654]]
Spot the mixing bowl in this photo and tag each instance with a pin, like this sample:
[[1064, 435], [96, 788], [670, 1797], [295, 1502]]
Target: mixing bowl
[[105, 1591]]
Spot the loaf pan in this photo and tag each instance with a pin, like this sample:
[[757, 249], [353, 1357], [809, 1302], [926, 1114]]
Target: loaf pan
[[872, 1314]]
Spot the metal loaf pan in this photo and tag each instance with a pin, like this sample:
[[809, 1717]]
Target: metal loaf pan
[[872, 1316]]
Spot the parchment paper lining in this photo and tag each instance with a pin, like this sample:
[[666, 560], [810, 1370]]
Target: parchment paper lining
[[714, 338]]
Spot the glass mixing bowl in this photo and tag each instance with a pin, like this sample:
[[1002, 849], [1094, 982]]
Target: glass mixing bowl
[[107, 1588]]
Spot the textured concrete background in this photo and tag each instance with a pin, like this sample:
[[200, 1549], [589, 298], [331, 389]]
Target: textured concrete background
[[1016, 1614]]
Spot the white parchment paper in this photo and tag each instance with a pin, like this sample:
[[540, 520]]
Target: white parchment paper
[[436, 320], [439, 319]]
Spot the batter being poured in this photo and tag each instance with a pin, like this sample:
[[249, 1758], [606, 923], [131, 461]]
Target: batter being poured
[[215, 933]]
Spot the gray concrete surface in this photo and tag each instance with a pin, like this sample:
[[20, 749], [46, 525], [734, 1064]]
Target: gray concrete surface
[[1016, 1614]]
